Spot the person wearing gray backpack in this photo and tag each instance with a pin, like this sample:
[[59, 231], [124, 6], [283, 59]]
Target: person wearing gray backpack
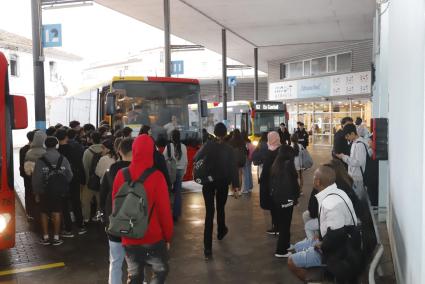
[[141, 214]]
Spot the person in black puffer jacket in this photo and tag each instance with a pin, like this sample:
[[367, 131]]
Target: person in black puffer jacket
[[285, 192]]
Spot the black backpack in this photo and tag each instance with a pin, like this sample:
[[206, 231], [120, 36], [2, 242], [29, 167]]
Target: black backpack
[[201, 167], [368, 173], [56, 183], [94, 181]]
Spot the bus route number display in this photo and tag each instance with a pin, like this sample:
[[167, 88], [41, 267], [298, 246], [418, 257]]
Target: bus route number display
[[269, 106]]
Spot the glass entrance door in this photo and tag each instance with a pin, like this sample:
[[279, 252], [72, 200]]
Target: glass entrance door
[[322, 127]]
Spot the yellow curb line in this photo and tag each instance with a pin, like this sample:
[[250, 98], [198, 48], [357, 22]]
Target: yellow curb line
[[33, 268]]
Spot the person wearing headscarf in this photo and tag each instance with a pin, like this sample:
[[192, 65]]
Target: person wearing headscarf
[[266, 203]]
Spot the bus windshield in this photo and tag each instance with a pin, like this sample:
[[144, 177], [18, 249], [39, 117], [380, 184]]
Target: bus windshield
[[267, 121], [164, 106]]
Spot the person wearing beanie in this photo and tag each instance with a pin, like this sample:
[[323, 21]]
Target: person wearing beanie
[[50, 202], [266, 202]]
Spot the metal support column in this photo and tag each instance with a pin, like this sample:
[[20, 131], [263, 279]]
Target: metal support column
[[38, 61], [167, 49], [255, 74], [224, 60]]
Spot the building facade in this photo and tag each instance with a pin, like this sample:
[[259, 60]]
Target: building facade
[[61, 70], [322, 87]]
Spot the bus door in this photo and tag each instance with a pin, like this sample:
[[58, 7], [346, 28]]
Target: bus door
[[242, 122]]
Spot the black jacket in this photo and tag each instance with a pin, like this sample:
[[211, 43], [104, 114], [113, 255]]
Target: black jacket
[[285, 137], [265, 191], [221, 162], [313, 205], [340, 144], [259, 154], [161, 165], [22, 153], [285, 189], [302, 137], [74, 152], [105, 193]]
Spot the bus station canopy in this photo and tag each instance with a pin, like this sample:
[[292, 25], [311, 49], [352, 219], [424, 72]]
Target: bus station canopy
[[279, 28]]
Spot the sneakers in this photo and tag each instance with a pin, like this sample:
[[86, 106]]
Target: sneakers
[[57, 242], [291, 247], [207, 254], [272, 232], [44, 242], [281, 255], [66, 234], [82, 230], [223, 234]]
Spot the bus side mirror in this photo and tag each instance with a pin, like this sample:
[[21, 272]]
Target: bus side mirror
[[20, 112], [204, 108], [110, 104]]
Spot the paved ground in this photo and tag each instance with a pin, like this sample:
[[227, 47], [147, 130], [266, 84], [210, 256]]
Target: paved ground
[[245, 255]]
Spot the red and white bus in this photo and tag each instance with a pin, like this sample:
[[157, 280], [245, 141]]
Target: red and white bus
[[13, 115]]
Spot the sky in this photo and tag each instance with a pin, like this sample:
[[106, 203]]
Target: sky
[[95, 32]]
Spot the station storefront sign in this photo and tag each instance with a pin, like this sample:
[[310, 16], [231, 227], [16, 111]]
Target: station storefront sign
[[328, 86]]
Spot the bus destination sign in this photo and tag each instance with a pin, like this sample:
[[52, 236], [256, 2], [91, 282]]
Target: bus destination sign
[[269, 106]]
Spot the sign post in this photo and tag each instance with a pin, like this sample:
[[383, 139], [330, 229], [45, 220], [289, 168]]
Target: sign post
[[52, 35]]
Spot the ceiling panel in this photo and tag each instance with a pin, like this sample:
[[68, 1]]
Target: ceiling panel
[[279, 28]]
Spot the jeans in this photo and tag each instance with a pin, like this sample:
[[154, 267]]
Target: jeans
[[154, 255], [306, 255], [284, 220], [116, 259], [177, 188], [219, 190], [247, 177]]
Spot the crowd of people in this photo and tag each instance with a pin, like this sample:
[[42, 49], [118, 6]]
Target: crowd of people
[[76, 175]]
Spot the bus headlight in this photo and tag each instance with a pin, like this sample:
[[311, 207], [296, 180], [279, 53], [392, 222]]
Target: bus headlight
[[255, 143], [4, 220]]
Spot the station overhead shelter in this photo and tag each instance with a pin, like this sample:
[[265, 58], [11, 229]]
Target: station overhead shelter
[[279, 29]]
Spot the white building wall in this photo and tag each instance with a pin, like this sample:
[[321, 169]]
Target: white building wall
[[69, 73], [405, 65]]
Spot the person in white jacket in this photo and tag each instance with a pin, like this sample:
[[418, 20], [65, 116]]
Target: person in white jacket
[[335, 211], [357, 160], [178, 152]]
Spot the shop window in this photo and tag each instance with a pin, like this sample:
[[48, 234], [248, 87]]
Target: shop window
[[318, 66], [296, 69], [332, 64], [161, 57], [344, 62], [13, 65]]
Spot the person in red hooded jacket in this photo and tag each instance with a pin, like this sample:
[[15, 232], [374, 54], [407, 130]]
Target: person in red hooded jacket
[[152, 249]]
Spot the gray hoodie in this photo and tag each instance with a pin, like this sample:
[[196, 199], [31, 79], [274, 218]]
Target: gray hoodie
[[36, 151], [88, 156], [41, 170]]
